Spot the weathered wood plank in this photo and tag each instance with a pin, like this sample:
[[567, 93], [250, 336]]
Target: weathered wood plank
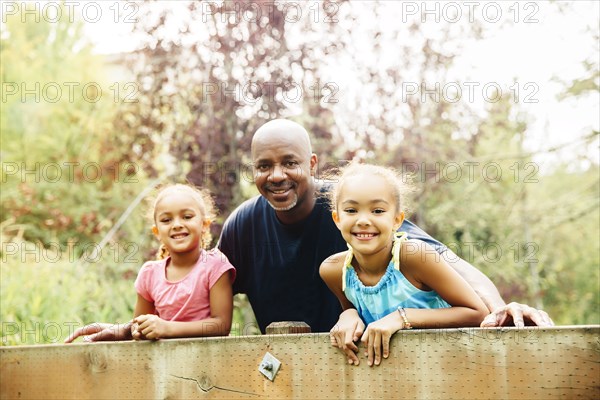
[[282, 327], [531, 363]]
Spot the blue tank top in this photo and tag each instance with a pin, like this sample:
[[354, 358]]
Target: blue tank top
[[392, 291]]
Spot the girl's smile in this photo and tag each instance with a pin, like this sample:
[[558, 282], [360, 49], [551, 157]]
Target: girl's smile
[[364, 236]]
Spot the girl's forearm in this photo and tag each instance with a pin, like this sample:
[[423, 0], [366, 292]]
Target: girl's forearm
[[206, 327], [453, 317]]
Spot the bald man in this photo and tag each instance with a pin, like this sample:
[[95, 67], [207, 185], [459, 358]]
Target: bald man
[[277, 240]]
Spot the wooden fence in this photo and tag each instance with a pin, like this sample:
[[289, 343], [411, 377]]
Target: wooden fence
[[508, 363]]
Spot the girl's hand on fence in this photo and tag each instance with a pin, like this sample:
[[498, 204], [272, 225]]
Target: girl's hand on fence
[[348, 330], [151, 326], [136, 334], [377, 337]]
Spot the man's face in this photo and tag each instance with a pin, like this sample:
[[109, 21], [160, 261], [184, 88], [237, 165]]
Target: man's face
[[283, 170]]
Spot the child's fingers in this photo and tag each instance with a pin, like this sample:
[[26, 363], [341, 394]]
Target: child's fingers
[[350, 348], [377, 348], [352, 357], [386, 345], [141, 318], [332, 340], [365, 338], [349, 342], [344, 341], [145, 330], [135, 331], [370, 349], [144, 322], [358, 332], [368, 339], [336, 340]]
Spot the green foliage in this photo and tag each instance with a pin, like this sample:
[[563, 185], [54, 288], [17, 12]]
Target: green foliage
[[62, 180], [43, 301], [566, 230]]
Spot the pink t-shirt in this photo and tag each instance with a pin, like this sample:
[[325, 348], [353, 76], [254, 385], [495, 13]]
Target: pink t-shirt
[[187, 299]]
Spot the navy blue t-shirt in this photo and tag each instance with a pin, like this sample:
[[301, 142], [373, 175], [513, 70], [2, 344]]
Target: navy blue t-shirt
[[278, 265]]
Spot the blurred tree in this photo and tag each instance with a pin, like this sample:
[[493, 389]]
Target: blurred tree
[[589, 83], [62, 178], [565, 226], [211, 73], [570, 220], [403, 115]]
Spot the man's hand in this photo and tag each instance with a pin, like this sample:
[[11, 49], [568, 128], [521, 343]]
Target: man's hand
[[518, 315], [98, 332], [348, 330]]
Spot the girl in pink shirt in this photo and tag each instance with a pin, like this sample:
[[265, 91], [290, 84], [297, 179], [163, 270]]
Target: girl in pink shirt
[[187, 292]]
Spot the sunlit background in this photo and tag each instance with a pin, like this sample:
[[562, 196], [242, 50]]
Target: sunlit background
[[493, 109]]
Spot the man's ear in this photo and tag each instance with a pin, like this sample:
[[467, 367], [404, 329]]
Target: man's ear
[[155, 230], [313, 164]]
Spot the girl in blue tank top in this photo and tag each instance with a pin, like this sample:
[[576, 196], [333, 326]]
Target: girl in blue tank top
[[387, 281]]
